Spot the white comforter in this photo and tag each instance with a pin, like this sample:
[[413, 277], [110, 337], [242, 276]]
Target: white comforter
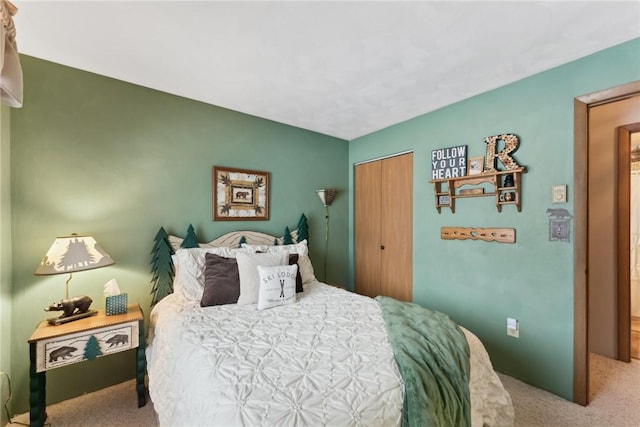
[[233, 365]]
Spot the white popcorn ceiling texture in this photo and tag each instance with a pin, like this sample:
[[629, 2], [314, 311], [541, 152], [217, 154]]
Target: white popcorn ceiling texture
[[344, 69]]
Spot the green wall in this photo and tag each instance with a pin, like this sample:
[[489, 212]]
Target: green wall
[[5, 257], [95, 155], [92, 154], [481, 284]]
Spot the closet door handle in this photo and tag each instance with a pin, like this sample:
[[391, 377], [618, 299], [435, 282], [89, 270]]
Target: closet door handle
[[382, 247]]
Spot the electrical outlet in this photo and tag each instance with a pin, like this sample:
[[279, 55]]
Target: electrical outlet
[[513, 327]]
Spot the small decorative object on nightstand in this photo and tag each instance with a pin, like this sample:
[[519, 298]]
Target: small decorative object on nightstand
[[72, 309], [116, 304], [115, 300]]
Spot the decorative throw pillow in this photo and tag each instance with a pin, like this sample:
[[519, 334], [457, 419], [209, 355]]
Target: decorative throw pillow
[[221, 281], [300, 248], [248, 272], [190, 264], [293, 260], [277, 286]]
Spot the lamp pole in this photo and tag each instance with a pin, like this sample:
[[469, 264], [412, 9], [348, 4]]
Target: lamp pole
[[327, 196], [326, 241]]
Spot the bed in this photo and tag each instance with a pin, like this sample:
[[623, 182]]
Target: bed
[[222, 353]]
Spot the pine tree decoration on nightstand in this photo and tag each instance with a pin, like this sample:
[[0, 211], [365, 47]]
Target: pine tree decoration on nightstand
[[92, 348], [191, 240], [303, 229], [161, 267]]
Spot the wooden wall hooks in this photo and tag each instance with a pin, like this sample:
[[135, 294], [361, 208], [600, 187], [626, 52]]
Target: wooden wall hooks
[[500, 235]]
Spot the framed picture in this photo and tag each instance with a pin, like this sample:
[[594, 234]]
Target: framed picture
[[475, 165], [444, 200], [240, 194]]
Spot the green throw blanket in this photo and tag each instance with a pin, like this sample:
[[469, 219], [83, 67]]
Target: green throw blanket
[[433, 358]]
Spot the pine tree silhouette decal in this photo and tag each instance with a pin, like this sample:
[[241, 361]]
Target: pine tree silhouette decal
[[303, 229], [92, 348], [161, 267], [286, 239], [191, 240], [70, 258]]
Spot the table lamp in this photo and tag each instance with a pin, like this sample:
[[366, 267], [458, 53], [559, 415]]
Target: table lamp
[[69, 254]]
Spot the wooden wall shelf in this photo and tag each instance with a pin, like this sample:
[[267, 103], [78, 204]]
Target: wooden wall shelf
[[500, 235], [448, 190]]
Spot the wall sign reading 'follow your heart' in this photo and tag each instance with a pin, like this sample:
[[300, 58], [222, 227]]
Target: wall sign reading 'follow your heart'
[[449, 162]]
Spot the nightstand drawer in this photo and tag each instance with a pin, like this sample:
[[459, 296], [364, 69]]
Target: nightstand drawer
[[73, 348]]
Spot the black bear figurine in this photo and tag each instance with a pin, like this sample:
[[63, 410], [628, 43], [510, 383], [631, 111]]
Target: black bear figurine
[[69, 306]]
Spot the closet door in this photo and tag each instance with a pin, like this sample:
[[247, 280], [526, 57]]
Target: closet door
[[384, 227], [368, 199], [396, 266]]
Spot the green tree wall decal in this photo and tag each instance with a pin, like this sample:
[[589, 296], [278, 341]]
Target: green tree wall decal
[[191, 240], [92, 348], [161, 267], [303, 229], [286, 239]]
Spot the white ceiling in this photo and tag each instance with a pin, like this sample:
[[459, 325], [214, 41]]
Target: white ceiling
[[344, 69]]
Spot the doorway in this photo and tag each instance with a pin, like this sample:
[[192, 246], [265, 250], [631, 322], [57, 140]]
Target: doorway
[[629, 242], [628, 238], [581, 242]]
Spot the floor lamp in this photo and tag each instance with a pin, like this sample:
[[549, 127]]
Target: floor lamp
[[326, 195]]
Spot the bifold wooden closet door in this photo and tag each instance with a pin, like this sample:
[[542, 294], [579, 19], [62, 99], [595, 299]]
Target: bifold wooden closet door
[[384, 227]]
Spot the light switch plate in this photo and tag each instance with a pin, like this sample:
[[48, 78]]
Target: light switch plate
[[559, 194], [513, 327]]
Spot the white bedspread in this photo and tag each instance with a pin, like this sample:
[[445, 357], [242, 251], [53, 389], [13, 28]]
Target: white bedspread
[[233, 365]]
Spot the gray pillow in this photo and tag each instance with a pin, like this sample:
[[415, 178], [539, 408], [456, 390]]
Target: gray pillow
[[221, 281]]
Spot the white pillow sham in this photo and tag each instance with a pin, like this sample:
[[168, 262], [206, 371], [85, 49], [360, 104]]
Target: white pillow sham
[[277, 286], [248, 271], [190, 264], [300, 248]]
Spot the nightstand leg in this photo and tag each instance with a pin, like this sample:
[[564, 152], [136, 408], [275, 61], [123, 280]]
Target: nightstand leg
[[141, 367], [37, 391]]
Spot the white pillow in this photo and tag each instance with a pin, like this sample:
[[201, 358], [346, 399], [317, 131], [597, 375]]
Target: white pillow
[[190, 265], [300, 248], [248, 271], [277, 286]]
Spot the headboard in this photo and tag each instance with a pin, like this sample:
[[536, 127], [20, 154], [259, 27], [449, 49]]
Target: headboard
[[165, 245]]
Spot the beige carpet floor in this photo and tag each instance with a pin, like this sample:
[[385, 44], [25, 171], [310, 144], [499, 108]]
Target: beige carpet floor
[[615, 402], [614, 399]]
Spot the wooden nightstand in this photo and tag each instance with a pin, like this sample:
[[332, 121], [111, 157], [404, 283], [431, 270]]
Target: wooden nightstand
[[51, 347]]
